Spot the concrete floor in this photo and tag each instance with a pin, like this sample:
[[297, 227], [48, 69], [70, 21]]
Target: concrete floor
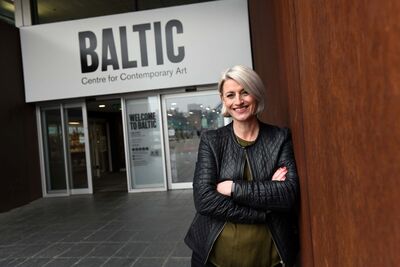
[[104, 229]]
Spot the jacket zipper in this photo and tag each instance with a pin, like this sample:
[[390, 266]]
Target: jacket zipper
[[272, 237], [277, 249], [215, 239], [223, 226], [243, 163], [248, 163]]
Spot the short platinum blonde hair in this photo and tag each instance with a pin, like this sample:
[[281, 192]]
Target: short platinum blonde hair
[[249, 80]]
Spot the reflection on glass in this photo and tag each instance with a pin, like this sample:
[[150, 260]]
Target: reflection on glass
[[76, 148], [46, 11], [187, 118], [99, 148], [53, 150]]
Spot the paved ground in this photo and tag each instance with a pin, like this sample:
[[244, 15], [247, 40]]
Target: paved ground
[[105, 229]]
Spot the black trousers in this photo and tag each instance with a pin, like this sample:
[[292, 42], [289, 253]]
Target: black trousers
[[196, 262]]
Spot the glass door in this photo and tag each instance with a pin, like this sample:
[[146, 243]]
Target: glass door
[[64, 150], [53, 151], [187, 115], [144, 144], [100, 154], [77, 147]]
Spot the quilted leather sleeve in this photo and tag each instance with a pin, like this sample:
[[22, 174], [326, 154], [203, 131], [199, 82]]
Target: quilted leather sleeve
[[206, 198], [268, 195]]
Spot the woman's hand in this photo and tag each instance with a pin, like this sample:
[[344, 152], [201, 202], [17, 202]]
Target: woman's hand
[[225, 188], [280, 174]]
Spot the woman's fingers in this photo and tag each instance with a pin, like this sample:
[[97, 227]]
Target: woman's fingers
[[225, 187], [280, 174]]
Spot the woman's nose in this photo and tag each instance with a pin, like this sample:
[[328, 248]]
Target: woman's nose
[[238, 99]]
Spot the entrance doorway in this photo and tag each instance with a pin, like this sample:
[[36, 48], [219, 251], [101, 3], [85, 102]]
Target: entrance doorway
[[106, 145], [142, 142]]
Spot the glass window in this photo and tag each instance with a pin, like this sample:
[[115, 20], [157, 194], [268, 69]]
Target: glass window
[[46, 11], [7, 11], [188, 115]]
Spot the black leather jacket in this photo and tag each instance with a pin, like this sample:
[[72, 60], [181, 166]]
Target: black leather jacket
[[220, 158]]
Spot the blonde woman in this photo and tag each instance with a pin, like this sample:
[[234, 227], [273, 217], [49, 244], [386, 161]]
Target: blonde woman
[[245, 185]]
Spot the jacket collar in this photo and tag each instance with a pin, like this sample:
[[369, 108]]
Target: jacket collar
[[259, 136]]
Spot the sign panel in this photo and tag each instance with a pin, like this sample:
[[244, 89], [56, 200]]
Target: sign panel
[[144, 136], [155, 49]]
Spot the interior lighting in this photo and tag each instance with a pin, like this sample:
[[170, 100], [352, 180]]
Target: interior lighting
[[102, 106], [74, 123]]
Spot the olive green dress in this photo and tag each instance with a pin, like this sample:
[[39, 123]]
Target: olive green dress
[[244, 245]]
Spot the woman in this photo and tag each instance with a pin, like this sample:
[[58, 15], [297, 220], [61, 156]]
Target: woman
[[245, 184]]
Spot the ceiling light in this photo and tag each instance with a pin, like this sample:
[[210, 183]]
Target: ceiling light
[[102, 106]]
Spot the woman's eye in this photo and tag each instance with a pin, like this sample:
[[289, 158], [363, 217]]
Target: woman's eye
[[245, 93], [229, 95]]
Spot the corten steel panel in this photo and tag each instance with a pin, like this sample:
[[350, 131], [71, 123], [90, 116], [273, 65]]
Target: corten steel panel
[[349, 63], [19, 162], [290, 82], [275, 59], [334, 67], [265, 60]]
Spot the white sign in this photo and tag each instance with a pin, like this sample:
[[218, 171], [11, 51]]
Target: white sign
[[144, 131], [155, 49]]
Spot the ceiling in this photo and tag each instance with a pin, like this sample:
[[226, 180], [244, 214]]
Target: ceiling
[[106, 105]]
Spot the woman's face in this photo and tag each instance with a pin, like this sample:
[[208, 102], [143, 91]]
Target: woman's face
[[239, 103]]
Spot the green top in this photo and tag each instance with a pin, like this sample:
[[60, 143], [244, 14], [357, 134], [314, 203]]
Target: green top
[[244, 245]]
